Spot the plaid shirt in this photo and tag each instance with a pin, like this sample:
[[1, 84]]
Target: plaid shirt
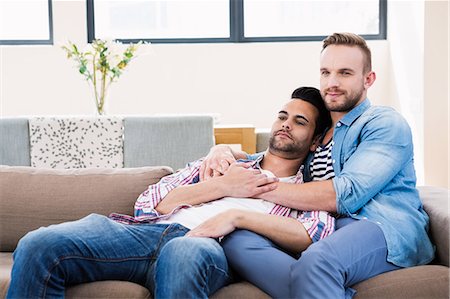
[[318, 224]]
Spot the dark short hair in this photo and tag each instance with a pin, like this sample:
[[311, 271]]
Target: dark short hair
[[312, 96]]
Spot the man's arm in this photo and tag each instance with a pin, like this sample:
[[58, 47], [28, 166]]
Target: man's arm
[[287, 232], [307, 196], [238, 181]]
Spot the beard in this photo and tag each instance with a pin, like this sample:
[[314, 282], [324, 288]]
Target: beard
[[291, 149], [350, 100]]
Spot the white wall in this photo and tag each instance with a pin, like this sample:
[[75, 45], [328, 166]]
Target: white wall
[[436, 94], [244, 83]]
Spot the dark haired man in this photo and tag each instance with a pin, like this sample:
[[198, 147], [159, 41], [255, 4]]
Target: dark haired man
[[363, 169], [148, 248]]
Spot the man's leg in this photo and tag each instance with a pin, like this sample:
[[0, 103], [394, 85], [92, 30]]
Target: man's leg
[[328, 268], [258, 260], [194, 268], [93, 248]]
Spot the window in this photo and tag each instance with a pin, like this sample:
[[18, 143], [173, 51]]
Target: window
[[168, 21], [26, 22]]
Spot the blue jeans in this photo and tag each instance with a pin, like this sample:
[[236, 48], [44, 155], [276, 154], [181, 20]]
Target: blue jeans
[[95, 248], [327, 269]]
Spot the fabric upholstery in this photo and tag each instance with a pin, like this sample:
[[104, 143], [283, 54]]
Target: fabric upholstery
[[76, 142], [5, 272], [107, 289], [32, 197], [15, 142], [240, 290], [416, 282], [436, 201], [168, 140], [262, 139]]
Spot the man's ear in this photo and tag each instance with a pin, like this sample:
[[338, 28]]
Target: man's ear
[[369, 79], [315, 143]]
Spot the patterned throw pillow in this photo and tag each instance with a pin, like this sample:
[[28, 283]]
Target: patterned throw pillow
[[76, 142]]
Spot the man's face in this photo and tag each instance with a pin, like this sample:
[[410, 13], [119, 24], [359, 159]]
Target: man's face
[[293, 131], [343, 83]]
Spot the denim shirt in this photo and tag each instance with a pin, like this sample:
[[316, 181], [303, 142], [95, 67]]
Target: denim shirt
[[375, 180]]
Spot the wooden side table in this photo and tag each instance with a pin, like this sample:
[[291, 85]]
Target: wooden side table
[[237, 134]]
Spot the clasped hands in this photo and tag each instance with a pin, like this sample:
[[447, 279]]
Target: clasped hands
[[240, 180]]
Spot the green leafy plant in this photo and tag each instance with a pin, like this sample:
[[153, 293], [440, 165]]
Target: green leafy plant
[[102, 63]]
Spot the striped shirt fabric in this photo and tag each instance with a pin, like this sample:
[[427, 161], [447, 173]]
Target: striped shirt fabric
[[318, 224], [321, 166]]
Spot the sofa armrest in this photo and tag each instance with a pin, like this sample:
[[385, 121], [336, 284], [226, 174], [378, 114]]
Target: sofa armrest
[[436, 203]]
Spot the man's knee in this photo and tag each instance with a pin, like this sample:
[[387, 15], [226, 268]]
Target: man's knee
[[186, 252], [38, 246], [313, 259]]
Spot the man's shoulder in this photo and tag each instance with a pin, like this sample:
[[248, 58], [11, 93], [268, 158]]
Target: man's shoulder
[[384, 122], [383, 116]]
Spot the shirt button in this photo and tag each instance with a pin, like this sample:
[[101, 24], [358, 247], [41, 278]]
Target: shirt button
[[338, 124], [334, 161]]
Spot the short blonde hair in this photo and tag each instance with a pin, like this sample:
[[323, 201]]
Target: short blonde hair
[[351, 39]]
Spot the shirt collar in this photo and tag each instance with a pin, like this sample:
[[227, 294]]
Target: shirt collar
[[356, 112], [257, 165]]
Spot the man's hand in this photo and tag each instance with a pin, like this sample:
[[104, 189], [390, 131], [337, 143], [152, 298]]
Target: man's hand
[[240, 180], [218, 226], [218, 160]]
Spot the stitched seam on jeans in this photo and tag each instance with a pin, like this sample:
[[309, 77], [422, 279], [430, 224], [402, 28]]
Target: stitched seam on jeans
[[60, 259], [170, 228], [218, 269]]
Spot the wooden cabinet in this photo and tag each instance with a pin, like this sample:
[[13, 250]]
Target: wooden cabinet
[[243, 135]]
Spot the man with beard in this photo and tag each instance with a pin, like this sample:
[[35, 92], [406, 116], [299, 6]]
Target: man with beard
[[149, 248], [362, 169]]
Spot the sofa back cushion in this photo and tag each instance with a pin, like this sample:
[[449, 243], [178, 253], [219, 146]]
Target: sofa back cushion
[[14, 141], [166, 140], [33, 197]]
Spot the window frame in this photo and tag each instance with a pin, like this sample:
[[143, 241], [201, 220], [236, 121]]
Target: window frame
[[48, 41], [237, 29]]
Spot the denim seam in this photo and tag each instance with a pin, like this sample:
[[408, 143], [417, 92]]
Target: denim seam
[[225, 273], [64, 258]]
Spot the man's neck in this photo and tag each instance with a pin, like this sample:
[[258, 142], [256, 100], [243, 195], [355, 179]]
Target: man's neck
[[280, 166]]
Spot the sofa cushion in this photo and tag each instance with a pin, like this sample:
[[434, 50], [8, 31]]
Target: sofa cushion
[[5, 272], [238, 290], [108, 289], [429, 281], [166, 140], [15, 142], [76, 142], [33, 197]]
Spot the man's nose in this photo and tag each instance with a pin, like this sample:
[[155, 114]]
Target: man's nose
[[286, 125], [332, 81]]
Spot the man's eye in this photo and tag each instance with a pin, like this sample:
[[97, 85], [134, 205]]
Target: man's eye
[[324, 73]]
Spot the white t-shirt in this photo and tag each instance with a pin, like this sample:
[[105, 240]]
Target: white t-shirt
[[194, 216]]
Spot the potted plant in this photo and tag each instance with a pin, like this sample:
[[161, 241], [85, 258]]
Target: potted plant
[[101, 63]]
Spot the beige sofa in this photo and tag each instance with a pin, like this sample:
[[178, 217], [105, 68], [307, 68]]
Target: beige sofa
[[30, 198]]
